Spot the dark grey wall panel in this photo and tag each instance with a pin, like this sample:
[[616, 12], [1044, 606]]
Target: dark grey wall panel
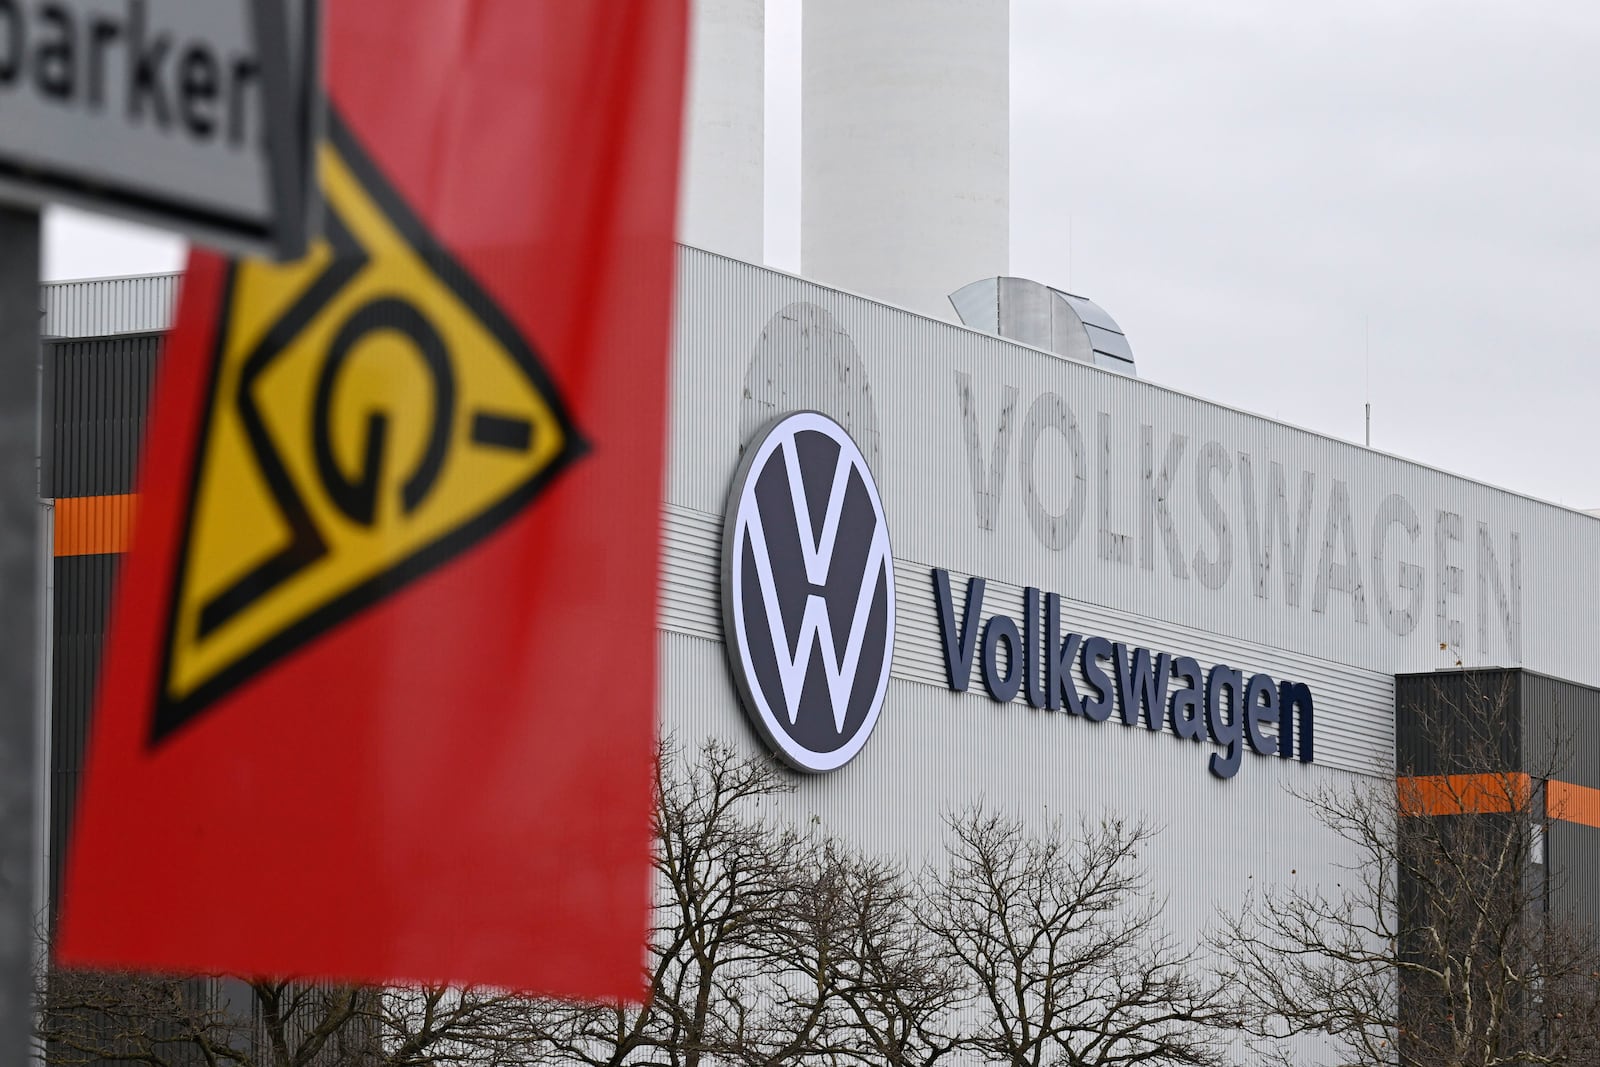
[[1548, 728], [1561, 729], [96, 396], [82, 598], [1573, 855], [1457, 722], [98, 390]]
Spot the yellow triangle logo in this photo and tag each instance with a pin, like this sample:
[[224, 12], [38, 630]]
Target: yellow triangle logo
[[371, 415]]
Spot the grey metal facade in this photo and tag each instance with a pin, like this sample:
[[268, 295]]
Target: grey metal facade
[[1561, 732], [102, 339], [96, 397], [1479, 712], [1518, 722], [1566, 715], [1573, 851], [97, 391], [83, 587]]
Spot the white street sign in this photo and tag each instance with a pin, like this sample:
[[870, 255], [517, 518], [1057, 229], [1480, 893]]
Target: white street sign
[[193, 115]]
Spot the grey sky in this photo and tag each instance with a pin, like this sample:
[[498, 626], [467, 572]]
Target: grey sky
[[80, 245], [1246, 186]]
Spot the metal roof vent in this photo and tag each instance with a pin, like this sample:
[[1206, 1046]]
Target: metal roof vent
[[1056, 321]]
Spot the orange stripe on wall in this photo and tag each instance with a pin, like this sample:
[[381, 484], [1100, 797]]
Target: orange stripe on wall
[[1572, 803], [1461, 794], [90, 525]]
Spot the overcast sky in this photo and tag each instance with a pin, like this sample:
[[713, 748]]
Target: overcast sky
[[1252, 189]]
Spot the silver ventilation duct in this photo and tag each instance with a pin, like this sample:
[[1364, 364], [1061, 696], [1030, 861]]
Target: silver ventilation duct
[[1033, 314]]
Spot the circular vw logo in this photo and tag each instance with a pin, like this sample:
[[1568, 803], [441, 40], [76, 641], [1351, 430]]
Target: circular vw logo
[[808, 591]]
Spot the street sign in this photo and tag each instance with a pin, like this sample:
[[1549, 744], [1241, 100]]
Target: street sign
[[191, 115]]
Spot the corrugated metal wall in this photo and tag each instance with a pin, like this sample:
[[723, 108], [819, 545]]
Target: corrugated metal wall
[[1567, 716], [98, 392], [1459, 722], [102, 306], [998, 460], [1573, 852], [1561, 731], [82, 598], [96, 395], [1471, 723]]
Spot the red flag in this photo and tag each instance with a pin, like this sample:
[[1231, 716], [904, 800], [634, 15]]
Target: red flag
[[378, 697]]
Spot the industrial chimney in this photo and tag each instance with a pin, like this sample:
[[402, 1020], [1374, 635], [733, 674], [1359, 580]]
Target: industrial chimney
[[905, 147], [721, 201]]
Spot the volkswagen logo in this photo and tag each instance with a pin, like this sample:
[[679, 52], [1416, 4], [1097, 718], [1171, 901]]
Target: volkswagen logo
[[808, 591]]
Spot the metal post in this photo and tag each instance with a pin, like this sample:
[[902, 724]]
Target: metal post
[[19, 622]]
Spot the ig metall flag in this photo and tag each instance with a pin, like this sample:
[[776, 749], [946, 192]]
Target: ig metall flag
[[378, 698]]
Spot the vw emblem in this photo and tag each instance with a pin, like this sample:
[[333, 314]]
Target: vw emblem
[[808, 591]]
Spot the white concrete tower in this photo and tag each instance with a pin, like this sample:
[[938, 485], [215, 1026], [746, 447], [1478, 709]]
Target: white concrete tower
[[905, 147], [720, 203]]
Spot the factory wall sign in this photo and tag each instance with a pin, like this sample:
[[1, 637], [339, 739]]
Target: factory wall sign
[[808, 591], [1235, 709]]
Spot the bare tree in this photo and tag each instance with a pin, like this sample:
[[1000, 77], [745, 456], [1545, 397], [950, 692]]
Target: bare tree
[[725, 878], [791, 1011], [898, 992], [93, 1018], [439, 1026], [758, 935], [1437, 948], [772, 945], [1058, 937]]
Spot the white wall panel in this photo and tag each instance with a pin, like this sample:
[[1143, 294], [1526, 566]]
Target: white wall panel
[[754, 342], [100, 306]]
